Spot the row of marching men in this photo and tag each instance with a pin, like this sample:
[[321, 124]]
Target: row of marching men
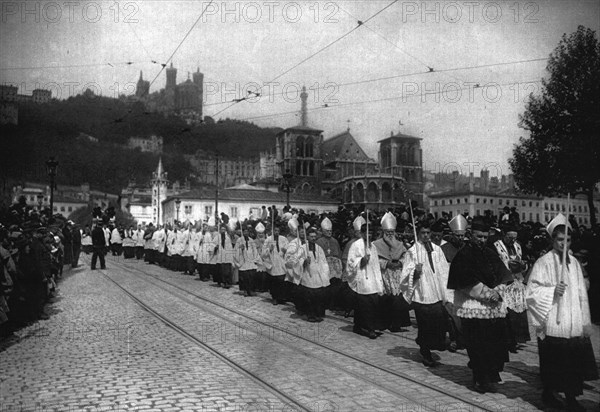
[[453, 288], [471, 288], [265, 261]]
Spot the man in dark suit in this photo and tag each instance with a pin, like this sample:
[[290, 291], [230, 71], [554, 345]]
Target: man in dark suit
[[98, 245], [76, 242]]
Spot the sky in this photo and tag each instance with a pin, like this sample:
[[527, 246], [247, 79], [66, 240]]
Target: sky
[[455, 73]]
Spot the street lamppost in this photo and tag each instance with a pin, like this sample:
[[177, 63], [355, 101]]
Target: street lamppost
[[177, 206], [287, 176], [51, 166], [40, 199]]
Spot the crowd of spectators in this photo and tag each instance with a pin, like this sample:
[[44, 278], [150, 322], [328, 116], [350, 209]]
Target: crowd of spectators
[[35, 246]]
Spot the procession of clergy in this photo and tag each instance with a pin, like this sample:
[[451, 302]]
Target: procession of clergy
[[475, 294]]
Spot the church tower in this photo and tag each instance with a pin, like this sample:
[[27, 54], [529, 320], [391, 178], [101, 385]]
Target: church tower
[[298, 153], [159, 192], [303, 108], [199, 81], [143, 86], [171, 77]]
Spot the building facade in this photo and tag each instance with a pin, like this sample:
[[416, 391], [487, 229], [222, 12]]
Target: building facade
[[231, 171], [238, 204], [529, 207], [66, 198], [10, 99], [152, 144]]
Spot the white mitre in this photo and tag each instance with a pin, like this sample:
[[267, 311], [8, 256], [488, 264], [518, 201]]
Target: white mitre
[[388, 222], [560, 219], [358, 222]]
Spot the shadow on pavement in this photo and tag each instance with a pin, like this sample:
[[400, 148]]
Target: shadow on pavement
[[526, 389]]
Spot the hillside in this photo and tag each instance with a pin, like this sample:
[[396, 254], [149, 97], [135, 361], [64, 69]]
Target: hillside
[[52, 129]]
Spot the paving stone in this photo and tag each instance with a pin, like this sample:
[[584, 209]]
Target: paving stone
[[100, 349]]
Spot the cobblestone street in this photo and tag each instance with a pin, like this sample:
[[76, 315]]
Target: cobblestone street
[[136, 337]]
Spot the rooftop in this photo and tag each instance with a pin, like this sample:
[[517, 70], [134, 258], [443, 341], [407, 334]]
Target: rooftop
[[478, 192], [343, 146], [400, 136], [300, 128], [259, 196]]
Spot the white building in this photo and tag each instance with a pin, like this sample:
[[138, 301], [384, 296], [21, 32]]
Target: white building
[[142, 210], [65, 206], [66, 198], [199, 205], [530, 207]]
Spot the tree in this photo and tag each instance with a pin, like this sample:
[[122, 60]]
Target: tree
[[562, 151]]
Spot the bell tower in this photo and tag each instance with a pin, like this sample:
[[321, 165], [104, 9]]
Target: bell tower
[[159, 192]]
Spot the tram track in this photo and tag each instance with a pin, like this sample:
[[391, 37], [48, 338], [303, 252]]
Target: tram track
[[507, 367], [407, 400], [249, 374], [464, 400]]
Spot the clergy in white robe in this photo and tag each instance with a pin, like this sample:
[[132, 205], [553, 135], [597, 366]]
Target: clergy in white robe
[[159, 238], [128, 243], [225, 257], [364, 278], [181, 239], [203, 255], [264, 263], [558, 309], [423, 283], [314, 280], [138, 238], [116, 242], [391, 251], [171, 248], [333, 253], [277, 245], [212, 246], [245, 258]]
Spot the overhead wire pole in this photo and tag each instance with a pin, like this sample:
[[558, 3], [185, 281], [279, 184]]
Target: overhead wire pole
[[217, 188]]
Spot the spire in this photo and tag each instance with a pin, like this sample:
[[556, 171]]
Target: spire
[[303, 110], [141, 77], [159, 169]]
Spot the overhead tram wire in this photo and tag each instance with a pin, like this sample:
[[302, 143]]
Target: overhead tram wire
[[72, 66], [404, 75], [430, 69], [381, 100], [386, 39], [359, 24], [163, 65]]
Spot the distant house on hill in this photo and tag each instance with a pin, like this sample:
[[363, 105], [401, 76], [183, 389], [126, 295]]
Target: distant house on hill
[[152, 144]]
